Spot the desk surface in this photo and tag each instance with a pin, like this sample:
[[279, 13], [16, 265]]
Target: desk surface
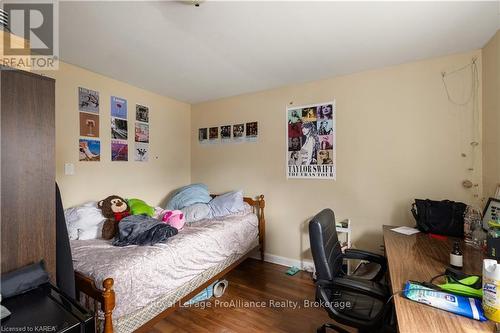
[[419, 257]]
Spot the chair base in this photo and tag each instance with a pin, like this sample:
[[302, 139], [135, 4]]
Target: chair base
[[336, 329]]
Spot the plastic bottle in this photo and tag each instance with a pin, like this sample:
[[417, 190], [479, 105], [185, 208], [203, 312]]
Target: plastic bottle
[[491, 289]]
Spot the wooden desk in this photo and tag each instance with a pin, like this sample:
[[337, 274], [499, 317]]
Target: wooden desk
[[420, 258]]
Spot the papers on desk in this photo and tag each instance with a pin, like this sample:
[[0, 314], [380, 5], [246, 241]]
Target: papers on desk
[[406, 230]]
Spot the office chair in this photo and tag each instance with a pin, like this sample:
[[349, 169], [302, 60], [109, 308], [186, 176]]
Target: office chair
[[349, 300], [65, 275]]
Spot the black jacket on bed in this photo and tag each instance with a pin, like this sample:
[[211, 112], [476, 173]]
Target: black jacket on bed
[[142, 230]]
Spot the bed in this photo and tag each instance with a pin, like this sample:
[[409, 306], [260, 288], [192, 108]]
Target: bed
[[131, 288]]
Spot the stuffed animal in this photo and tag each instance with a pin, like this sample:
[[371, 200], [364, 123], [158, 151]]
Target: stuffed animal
[[139, 207], [114, 208], [174, 218]]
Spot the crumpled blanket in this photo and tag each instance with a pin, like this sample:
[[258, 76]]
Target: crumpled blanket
[[142, 230]]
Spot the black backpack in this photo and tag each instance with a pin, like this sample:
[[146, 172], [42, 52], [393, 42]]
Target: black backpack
[[439, 217]]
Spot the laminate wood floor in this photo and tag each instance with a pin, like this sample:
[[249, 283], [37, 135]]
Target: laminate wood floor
[[254, 281]]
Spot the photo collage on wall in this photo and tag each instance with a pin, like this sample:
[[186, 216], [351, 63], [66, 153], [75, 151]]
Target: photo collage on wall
[[119, 129], [89, 143], [141, 153], [235, 133], [311, 141]]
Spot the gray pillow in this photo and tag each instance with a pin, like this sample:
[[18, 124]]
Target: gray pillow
[[196, 212], [227, 203]]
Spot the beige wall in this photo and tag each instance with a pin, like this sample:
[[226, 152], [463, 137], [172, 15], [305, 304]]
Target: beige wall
[[398, 139], [169, 164], [491, 115]]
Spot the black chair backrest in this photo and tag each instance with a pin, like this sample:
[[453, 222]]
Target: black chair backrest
[[65, 276], [325, 245]]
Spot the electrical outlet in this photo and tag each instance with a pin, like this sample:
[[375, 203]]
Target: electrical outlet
[[69, 169]]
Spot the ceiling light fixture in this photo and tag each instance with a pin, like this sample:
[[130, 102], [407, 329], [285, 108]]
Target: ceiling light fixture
[[196, 3]]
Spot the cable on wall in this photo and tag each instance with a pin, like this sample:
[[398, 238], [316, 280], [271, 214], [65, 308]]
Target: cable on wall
[[468, 108]]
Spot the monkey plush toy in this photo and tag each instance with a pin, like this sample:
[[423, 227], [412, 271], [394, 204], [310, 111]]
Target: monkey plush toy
[[114, 208]]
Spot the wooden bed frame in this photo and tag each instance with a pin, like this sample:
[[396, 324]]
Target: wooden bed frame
[[106, 296]]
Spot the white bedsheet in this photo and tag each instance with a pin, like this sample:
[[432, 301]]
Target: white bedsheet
[[143, 273]]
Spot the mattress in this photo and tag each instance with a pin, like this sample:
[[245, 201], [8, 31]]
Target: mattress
[[143, 274]]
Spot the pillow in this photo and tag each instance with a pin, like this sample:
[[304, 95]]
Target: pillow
[[93, 232], [139, 207], [85, 220], [196, 212], [187, 196], [227, 203]]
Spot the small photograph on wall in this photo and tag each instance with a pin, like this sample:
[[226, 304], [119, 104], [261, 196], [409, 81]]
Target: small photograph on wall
[[119, 150], [311, 141], [88, 100], [141, 132], [141, 153], [325, 127], [119, 129], [225, 133], [325, 157], [89, 124], [325, 111], [142, 113], [89, 150], [325, 142], [309, 114], [118, 107], [295, 116], [213, 134], [203, 135], [295, 129], [294, 144], [294, 157], [252, 131], [238, 132]]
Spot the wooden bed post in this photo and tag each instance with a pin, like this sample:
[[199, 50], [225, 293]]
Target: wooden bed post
[[108, 304], [262, 227]]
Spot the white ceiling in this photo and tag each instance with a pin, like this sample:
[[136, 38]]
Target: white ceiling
[[222, 49]]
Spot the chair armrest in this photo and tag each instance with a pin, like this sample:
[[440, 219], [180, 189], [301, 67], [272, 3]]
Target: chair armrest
[[368, 256], [366, 288]]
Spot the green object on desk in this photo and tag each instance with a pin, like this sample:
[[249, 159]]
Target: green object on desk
[[292, 270], [463, 287], [494, 224]]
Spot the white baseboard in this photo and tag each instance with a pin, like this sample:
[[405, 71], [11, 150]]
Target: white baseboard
[[305, 265]]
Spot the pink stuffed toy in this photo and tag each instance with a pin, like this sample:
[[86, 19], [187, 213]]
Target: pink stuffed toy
[[174, 218]]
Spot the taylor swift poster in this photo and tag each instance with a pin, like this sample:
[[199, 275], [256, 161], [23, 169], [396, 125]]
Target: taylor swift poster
[[310, 138]]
